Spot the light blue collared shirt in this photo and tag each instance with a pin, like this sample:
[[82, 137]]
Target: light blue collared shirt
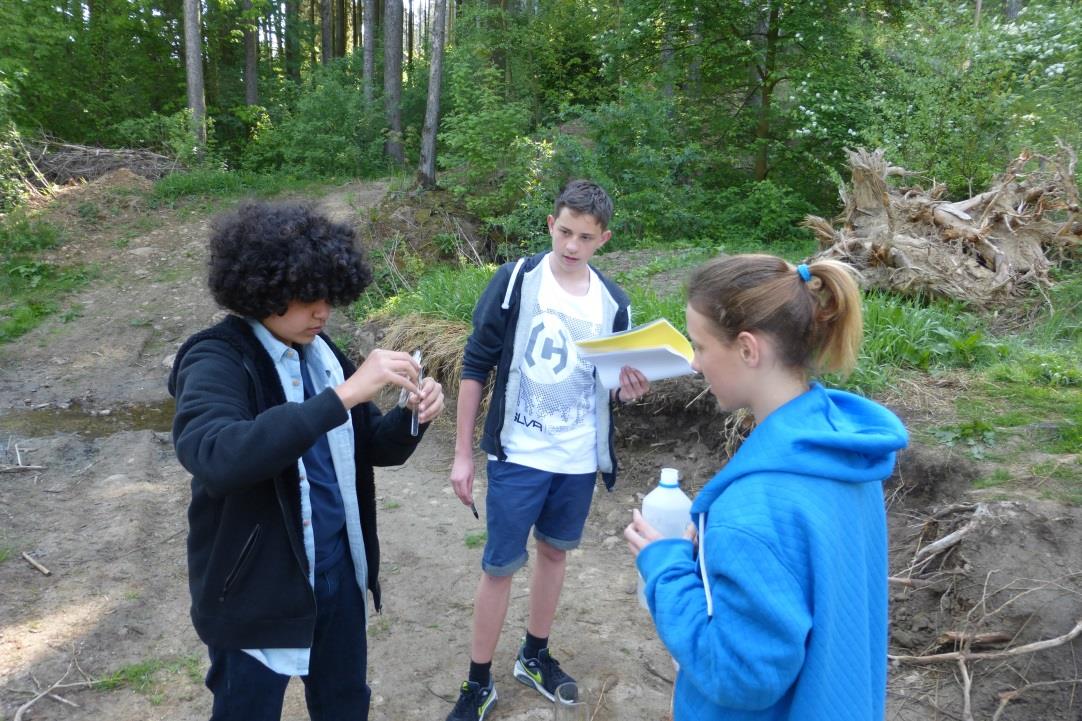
[[325, 372]]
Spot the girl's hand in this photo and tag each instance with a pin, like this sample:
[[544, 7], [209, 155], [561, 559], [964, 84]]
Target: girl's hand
[[639, 534]]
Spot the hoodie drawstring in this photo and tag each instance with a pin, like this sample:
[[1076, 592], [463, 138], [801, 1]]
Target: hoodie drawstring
[[702, 566]]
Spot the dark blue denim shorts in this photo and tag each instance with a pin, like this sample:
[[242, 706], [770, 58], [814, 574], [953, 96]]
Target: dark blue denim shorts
[[520, 497]]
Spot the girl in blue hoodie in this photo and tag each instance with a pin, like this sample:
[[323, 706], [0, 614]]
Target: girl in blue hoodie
[[775, 606]]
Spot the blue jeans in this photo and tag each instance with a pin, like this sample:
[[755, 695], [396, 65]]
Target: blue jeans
[[334, 689]]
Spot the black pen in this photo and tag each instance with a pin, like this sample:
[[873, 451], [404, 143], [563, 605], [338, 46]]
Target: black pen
[[473, 507]]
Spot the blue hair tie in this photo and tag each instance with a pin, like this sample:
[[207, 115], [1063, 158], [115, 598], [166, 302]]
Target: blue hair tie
[[804, 273]]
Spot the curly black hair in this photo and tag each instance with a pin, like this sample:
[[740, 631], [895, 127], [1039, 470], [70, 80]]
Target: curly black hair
[[265, 254]]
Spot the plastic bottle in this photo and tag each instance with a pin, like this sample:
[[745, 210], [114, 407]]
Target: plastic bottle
[[668, 509]]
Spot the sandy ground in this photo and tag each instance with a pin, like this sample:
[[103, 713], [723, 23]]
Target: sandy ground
[[103, 510]]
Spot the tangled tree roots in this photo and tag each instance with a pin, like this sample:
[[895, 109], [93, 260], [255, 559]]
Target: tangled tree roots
[[984, 250]]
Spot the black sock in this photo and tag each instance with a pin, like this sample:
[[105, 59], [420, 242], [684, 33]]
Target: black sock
[[480, 673], [533, 645]]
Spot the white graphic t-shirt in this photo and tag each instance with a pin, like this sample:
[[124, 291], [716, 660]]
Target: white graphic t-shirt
[[555, 426]]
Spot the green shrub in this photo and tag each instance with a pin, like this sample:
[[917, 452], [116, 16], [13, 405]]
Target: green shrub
[[169, 134], [483, 137], [759, 214], [326, 131]]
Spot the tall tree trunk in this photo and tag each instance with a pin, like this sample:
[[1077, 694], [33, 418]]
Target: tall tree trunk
[[293, 41], [368, 43], [340, 24], [426, 168], [193, 63], [425, 19], [409, 43], [251, 55], [312, 32], [392, 79], [326, 36], [767, 82], [355, 13]]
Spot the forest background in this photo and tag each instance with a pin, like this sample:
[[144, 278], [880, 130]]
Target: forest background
[[706, 120]]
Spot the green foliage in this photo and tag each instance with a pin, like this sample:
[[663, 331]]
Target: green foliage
[[77, 73], [441, 292], [482, 136], [905, 333], [760, 215], [21, 233], [168, 134], [956, 103], [476, 539], [976, 436], [326, 131]]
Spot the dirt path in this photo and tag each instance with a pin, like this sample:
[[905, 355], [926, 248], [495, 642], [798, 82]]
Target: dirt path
[[106, 515], [86, 400]]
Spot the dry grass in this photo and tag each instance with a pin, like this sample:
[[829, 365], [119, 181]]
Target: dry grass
[[441, 343]]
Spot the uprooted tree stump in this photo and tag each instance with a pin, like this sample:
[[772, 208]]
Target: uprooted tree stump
[[984, 251]]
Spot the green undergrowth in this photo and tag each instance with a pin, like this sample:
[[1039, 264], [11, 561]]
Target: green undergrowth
[[210, 184], [33, 287]]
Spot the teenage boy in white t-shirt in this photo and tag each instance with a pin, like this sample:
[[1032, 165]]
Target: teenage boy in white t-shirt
[[548, 430]]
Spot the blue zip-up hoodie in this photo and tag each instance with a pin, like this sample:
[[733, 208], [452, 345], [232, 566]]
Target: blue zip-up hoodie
[[783, 615]]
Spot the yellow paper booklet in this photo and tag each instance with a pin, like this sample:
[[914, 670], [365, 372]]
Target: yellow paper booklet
[[656, 349]]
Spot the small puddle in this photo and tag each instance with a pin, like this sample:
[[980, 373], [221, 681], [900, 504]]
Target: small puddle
[[41, 422]]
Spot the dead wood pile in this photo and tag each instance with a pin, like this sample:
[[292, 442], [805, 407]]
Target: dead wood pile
[[63, 163], [984, 251]]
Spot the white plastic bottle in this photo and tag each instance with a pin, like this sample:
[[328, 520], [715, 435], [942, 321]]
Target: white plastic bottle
[[668, 509]]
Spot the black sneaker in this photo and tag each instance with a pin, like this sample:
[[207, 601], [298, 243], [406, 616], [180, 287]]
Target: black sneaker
[[543, 673], [473, 702]]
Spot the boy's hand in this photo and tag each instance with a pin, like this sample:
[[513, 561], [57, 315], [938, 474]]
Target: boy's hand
[[380, 368], [462, 478], [430, 403], [633, 385]]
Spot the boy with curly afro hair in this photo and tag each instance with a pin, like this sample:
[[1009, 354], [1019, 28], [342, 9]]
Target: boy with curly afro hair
[[279, 432]]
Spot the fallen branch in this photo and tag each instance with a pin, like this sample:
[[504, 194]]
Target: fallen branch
[[967, 685], [33, 562], [960, 638], [955, 656], [17, 468], [951, 539], [1005, 697], [49, 692]]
